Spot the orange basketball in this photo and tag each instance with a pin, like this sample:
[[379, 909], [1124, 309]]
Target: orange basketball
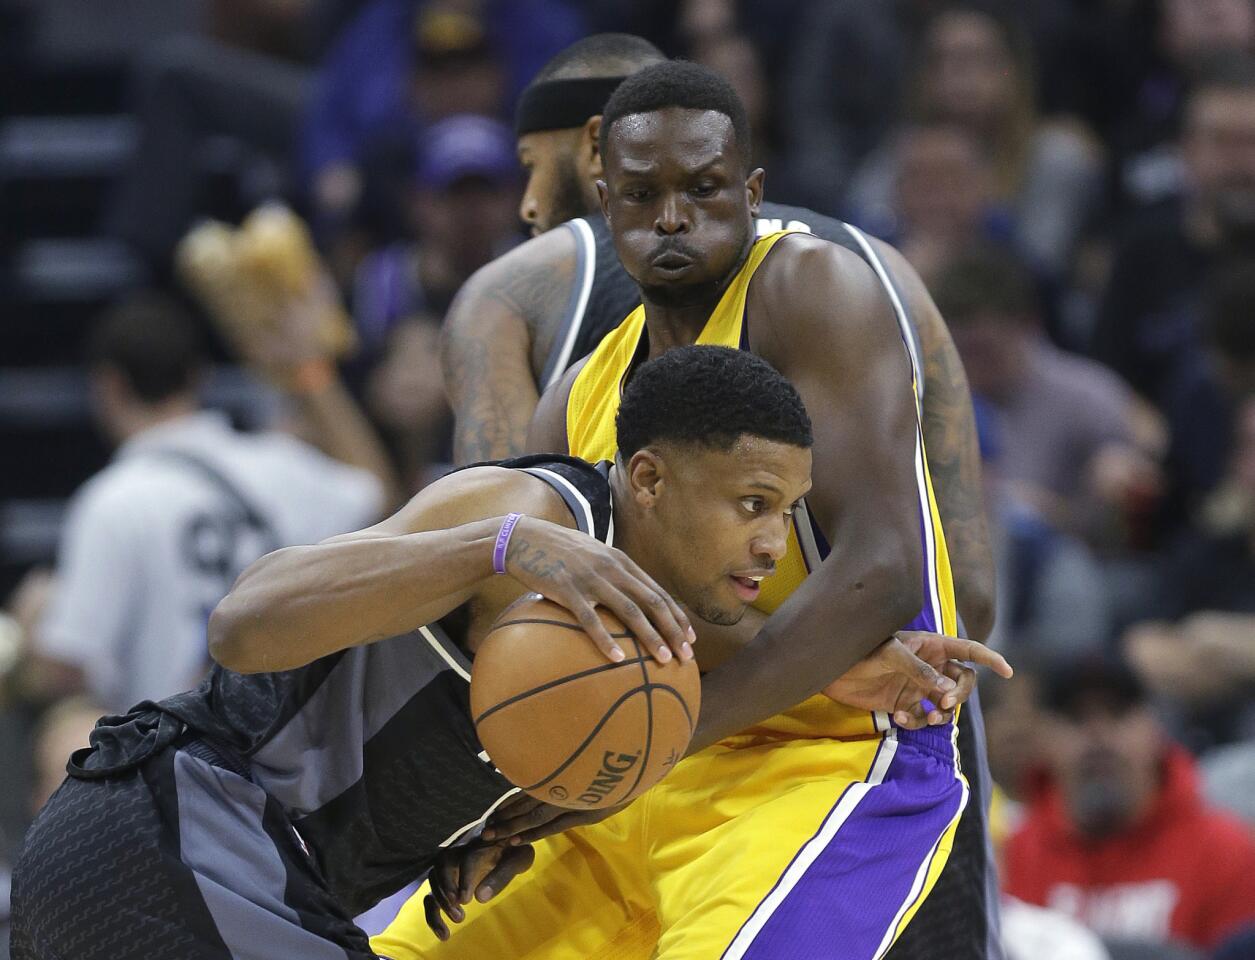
[[569, 726]]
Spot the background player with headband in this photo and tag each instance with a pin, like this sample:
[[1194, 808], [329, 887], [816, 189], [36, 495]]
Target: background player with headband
[[679, 196], [522, 319]]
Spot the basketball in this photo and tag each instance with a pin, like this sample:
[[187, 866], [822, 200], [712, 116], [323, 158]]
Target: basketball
[[569, 726]]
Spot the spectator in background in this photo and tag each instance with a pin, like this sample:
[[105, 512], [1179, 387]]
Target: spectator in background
[[1146, 326], [1117, 834], [1068, 426], [155, 540], [402, 64], [1209, 375], [944, 197], [975, 73], [1185, 37], [463, 202], [1204, 604]]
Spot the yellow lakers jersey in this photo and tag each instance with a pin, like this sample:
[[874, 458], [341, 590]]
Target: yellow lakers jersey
[[591, 408]]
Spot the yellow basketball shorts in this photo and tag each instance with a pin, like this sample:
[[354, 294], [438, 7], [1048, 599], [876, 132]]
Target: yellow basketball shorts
[[794, 849]]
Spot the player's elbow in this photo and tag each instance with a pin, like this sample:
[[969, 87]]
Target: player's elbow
[[978, 608], [899, 566], [234, 640]]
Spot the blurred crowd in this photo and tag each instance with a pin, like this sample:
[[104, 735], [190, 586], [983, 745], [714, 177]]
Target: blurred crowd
[[1075, 180]]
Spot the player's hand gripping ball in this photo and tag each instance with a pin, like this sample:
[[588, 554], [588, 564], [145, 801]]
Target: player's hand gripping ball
[[567, 725]]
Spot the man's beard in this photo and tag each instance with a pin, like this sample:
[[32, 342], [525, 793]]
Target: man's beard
[[712, 613], [568, 199]]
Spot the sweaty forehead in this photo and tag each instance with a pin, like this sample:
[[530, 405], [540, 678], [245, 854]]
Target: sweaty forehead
[[675, 134]]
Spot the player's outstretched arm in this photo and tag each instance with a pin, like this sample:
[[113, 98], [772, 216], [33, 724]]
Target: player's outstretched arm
[[495, 339], [953, 452], [825, 325], [301, 603]]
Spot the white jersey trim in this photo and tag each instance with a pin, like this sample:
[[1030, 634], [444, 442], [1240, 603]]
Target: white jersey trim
[[904, 322], [584, 237]]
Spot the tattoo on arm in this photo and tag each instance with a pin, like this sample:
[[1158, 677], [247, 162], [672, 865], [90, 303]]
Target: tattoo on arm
[[496, 339], [533, 559], [954, 463], [538, 292]]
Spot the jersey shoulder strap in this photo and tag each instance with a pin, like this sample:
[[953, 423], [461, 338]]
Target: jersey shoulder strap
[[584, 487], [777, 216]]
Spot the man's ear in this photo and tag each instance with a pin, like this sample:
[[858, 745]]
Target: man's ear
[[647, 473], [590, 148], [603, 194], [754, 188]]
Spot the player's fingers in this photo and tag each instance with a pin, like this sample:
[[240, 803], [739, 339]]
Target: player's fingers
[[515, 861], [435, 920], [516, 806], [979, 654], [965, 682], [476, 865], [596, 630], [664, 612], [444, 884], [926, 676], [568, 819], [633, 617], [907, 720], [520, 823]]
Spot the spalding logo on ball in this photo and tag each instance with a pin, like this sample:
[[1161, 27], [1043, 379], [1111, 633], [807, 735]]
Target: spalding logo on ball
[[569, 726]]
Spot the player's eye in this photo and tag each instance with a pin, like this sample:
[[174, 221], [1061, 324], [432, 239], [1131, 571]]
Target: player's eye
[[637, 194], [754, 505], [704, 189]]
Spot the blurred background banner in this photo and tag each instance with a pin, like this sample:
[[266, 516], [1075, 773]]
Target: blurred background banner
[[230, 231]]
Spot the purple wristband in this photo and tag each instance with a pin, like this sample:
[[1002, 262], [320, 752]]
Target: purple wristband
[[503, 541]]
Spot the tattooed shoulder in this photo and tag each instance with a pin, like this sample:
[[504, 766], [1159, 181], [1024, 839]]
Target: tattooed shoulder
[[534, 280]]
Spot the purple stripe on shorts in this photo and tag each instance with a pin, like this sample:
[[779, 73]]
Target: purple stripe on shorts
[[852, 893]]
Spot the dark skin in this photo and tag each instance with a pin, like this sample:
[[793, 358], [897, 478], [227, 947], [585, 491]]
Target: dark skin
[[501, 329], [680, 206]]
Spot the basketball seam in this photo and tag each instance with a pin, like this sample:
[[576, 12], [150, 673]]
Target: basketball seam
[[688, 714], [557, 623], [569, 678], [649, 720], [614, 707]]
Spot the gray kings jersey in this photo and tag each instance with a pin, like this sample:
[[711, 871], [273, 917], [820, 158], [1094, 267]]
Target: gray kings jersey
[[370, 751], [603, 294]]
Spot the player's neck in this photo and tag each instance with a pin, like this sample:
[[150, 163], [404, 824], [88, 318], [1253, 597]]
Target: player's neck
[[678, 320]]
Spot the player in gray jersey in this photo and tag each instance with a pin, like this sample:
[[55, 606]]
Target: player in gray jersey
[[331, 756], [523, 319]]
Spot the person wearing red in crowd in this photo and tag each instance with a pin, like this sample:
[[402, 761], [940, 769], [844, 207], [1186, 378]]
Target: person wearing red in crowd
[[1117, 833]]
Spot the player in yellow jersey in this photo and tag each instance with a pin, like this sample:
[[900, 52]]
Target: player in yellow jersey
[[818, 833]]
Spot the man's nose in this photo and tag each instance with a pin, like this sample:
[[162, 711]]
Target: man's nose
[[673, 217], [529, 210], [772, 544]]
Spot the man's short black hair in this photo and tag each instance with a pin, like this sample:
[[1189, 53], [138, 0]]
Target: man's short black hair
[[678, 83], [153, 342], [601, 55], [982, 282], [709, 397]]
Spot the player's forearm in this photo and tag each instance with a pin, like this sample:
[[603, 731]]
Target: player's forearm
[[301, 603], [831, 622]]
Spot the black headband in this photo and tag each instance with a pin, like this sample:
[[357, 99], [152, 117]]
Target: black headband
[[562, 104]]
